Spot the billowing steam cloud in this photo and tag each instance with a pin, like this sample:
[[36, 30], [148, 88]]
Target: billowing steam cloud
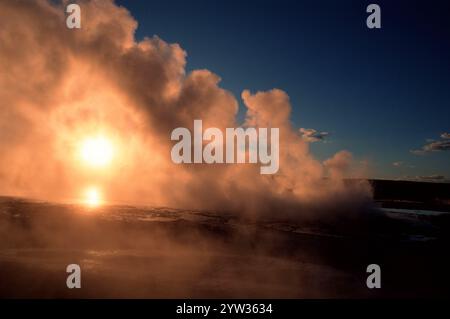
[[58, 86]]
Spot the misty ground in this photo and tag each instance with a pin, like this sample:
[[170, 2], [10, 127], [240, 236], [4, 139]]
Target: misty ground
[[149, 252]]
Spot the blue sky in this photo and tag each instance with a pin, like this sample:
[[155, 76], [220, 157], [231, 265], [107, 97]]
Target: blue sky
[[380, 93]]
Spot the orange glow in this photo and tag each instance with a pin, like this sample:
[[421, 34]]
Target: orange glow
[[97, 151], [92, 197]]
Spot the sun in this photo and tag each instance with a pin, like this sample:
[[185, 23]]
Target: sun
[[92, 197], [97, 151]]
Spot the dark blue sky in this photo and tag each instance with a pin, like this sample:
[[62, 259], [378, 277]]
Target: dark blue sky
[[380, 93]]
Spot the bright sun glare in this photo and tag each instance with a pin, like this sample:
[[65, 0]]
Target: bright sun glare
[[97, 151], [92, 197]]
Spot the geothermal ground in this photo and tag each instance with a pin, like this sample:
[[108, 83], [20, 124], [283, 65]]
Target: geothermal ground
[[145, 252]]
